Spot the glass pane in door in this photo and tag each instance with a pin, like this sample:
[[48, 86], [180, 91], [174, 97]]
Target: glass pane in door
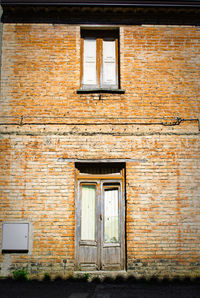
[[88, 198], [111, 215]]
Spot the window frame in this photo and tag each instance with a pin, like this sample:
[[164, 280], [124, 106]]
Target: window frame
[[100, 35]]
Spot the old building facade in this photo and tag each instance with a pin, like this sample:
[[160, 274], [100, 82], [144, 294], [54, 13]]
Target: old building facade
[[100, 138]]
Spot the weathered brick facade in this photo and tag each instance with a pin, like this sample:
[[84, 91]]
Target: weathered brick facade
[[153, 128]]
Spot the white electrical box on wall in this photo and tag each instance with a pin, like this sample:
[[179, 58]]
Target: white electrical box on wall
[[15, 237]]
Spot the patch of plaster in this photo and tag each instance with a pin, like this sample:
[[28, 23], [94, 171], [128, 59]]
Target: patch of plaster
[[5, 265]]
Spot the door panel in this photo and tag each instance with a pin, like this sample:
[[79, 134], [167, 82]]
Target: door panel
[[100, 225], [86, 229], [111, 258], [111, 247], [88, 257]]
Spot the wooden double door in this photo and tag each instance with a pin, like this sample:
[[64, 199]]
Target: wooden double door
[[100, 224]]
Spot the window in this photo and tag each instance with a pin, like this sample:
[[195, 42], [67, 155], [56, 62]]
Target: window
[[99, 59], [88, 196]]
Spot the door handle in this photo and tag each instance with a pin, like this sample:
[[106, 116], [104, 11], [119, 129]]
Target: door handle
[[101, 216]]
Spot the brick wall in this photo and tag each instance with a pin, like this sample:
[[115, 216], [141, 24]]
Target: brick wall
[[159, 72], [160, 75]]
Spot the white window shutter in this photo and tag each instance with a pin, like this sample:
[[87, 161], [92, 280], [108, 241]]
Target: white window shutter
[[109, 62], [89, 62]]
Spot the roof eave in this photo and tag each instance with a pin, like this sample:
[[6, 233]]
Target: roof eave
[[104, 3]]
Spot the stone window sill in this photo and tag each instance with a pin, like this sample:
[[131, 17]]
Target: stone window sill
[[100, 91]]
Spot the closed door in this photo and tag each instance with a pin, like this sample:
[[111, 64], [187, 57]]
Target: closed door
[[100, 225]]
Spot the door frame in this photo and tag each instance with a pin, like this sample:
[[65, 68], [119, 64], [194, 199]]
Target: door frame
[[99, 180]]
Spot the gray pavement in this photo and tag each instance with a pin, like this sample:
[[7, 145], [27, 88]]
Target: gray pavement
[[146, 291], [63, 289]]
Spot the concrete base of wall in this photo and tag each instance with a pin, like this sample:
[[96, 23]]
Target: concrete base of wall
[[159, 270]]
